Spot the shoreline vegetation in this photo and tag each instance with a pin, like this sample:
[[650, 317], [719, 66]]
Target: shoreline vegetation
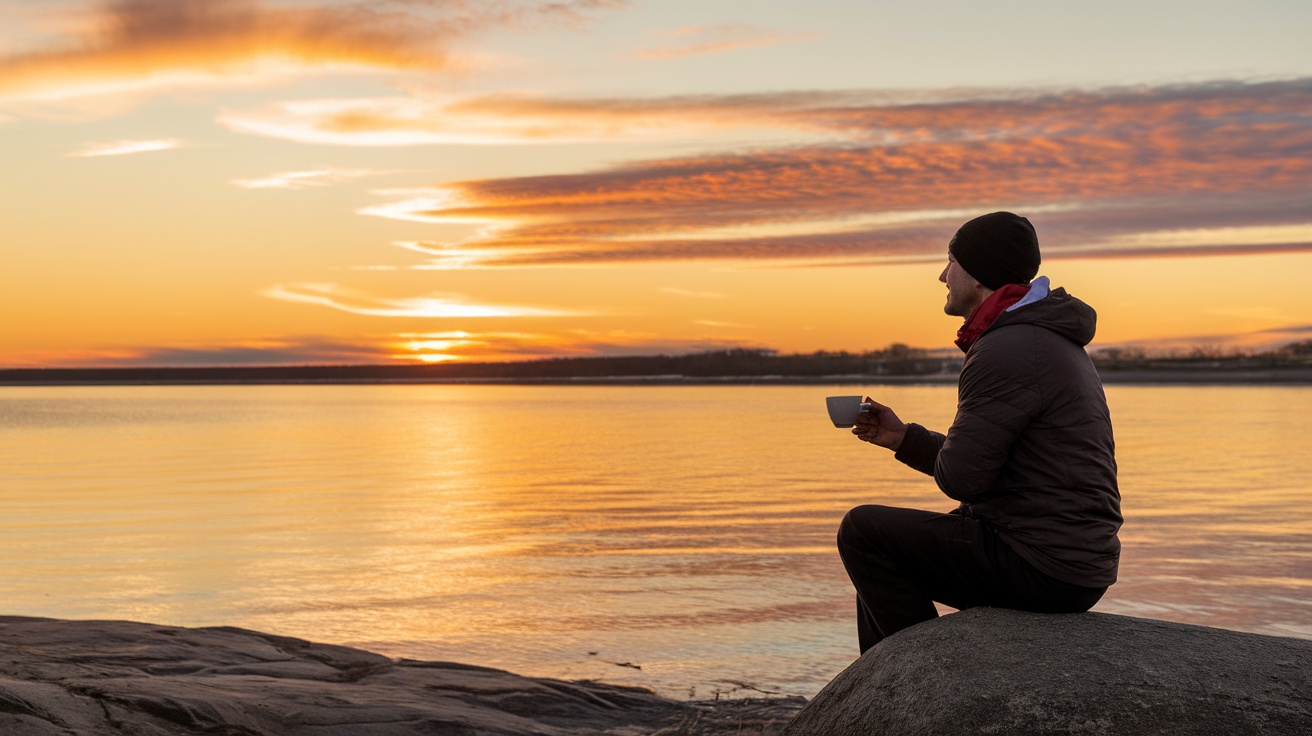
[[1288, 364]]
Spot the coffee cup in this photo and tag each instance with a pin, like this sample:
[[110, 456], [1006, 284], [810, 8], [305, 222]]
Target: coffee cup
[[843, 410]]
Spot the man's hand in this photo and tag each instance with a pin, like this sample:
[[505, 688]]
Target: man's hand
[[880, 426]]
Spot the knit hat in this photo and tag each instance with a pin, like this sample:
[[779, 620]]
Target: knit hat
[[997, 249]]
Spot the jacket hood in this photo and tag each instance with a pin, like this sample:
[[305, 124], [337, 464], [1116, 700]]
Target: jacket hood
[[1059, 312]]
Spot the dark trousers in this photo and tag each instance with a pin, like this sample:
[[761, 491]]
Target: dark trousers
[[902, 560]]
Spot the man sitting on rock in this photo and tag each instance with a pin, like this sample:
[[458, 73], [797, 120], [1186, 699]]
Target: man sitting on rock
[[1029, 456]]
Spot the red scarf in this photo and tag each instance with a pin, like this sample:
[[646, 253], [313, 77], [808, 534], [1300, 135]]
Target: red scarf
[[985, 314]]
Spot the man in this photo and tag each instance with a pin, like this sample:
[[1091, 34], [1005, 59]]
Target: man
[[1029, 456]]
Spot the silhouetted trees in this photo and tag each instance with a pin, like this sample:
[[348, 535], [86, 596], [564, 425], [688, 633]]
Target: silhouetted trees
[[1213, 357], [896, 360]]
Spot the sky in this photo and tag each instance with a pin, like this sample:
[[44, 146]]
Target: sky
[[234, 182]]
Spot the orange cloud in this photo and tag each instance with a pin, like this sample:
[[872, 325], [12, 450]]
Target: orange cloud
[[512, 119], [433, 306], [440, 347], [698, 40], [1113, 172], [406, 347], [265, 351], [133, 44]]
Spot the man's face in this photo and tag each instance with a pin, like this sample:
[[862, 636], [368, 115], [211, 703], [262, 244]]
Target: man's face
[[964, 292]]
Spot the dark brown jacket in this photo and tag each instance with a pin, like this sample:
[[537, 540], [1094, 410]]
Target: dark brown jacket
[[1031, 449]]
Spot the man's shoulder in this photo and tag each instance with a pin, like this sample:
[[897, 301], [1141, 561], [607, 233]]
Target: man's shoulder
[[1009, 342], [1059, 315], [1000, 357], [1024, 353]]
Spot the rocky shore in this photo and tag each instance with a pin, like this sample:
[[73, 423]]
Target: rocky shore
[[978, 671], [116, 677]]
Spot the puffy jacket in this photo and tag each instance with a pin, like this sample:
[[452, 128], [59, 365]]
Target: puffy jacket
[[1031, 449]]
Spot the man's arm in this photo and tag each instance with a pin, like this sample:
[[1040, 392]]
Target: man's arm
[[920, 448], [997, 399], [914, 445]]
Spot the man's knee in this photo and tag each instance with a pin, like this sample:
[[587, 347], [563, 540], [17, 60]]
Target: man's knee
[[862, 525]]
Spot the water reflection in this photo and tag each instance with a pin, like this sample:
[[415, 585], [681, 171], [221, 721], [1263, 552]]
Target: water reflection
[[685, 529]]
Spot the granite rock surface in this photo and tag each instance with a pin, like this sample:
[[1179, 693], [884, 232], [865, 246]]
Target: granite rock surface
[[115, 677], [994, 671]]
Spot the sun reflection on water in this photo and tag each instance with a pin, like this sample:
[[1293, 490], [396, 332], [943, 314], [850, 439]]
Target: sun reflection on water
[[685, 529]]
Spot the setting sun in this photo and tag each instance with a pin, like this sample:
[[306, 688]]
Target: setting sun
[[226, 182]]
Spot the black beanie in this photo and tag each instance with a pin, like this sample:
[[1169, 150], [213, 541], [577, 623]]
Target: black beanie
[[997, 249]]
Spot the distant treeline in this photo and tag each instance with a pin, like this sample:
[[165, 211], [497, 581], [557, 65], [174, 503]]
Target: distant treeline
[[1293, 355], [894, 361]]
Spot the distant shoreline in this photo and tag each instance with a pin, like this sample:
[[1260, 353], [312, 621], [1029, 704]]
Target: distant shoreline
[[327, 377], [894, 365]]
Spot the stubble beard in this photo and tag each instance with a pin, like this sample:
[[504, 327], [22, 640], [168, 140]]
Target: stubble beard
[[951, 307]]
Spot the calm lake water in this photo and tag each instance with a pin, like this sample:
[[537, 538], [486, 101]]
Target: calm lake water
[[584, 532]]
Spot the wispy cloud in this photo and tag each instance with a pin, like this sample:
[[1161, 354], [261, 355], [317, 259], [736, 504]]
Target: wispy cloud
[[378, 348], [304, 179], [512, 118], [306, 350], [123, 45], [698, 40], [435, 306], [123, 148], [438, 347], [1210, 168]]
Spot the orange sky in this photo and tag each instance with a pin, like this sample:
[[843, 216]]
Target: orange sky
[[253, 182]]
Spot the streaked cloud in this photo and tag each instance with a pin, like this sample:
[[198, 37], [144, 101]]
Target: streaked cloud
[[304, 179], [375, 349], [305, 350], [405, 347], [126, 45], [1210, 168], [506, 119], [440, 347], [698, 40], [123, 148], [435, 306]]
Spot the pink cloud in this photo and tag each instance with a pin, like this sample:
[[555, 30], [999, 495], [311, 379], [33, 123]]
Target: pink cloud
[[130, 44], [1107, 173]]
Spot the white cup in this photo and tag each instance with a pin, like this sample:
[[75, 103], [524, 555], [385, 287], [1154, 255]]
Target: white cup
[[843, 410]]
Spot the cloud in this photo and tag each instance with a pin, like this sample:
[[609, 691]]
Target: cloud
[[123, 148], [304, 179], [698, 40], [308, 350], [436, 306], [520, 118], [1211, 168], [506, 119], [125, 45], [439, 347], [375, 349]]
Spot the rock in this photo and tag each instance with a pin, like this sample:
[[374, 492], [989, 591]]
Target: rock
[[115, 677], [994, 671]]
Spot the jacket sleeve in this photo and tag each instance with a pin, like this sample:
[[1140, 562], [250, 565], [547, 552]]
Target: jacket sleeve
[[998, 396], [919, 448]]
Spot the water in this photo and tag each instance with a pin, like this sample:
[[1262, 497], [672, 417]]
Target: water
[[586, 532]]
